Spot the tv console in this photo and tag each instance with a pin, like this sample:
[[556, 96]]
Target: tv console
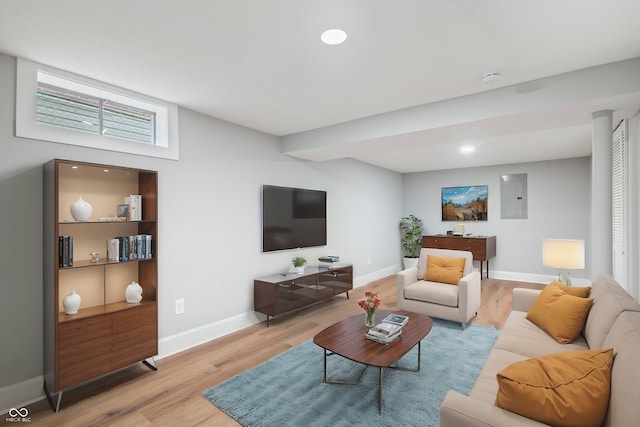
[[286, 292]]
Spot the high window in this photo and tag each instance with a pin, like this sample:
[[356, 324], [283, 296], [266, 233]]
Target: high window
[[55, 105]]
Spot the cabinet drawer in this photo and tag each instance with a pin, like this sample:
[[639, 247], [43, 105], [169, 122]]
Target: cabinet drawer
[[84, 350], [127, 320], [293, 294], [479, 249], [339, 280], [135, 335], [83, 330]]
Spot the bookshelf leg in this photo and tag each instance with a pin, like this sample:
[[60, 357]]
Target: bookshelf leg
[[55, 407], [151, 363], [59, 400]]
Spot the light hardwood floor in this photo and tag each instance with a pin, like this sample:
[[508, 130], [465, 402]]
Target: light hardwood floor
[[172, 396]]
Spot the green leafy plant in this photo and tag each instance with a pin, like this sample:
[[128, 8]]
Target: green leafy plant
[[411, 235], [298, 261]]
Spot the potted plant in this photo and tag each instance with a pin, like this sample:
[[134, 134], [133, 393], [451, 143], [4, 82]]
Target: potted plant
[[298, 263], [411, 237]]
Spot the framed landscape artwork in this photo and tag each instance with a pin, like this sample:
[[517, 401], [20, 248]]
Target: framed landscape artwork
[[467, 203]]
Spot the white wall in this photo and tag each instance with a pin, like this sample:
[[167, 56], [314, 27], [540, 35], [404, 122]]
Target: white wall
[[558, 207], [209, 244]]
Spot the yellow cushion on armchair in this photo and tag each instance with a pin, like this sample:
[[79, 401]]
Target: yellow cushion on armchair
[[444, 270]]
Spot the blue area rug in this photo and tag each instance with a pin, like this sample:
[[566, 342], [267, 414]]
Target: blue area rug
[[287, 390]]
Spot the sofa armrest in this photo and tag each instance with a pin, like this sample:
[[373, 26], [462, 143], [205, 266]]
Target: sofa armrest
[[523, 298], [469, 288], [404, 279], [407, 277], [458, 410]]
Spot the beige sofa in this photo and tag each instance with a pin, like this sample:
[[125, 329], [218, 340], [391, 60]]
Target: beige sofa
[[612, 322], [457, 303]]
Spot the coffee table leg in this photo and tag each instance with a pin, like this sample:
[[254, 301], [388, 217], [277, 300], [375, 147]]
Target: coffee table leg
[[364, 371], [325, 366], [380, 393]]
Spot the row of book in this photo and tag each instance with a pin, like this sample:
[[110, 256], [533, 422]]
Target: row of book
[[124, 248], [389, 330], [129, 248], [65, 251]]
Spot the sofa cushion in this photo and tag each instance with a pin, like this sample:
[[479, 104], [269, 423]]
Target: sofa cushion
[[560, 314], [444, 270], [576, 291], [437, 293], [524, 337], [566, 389], [609, 301]]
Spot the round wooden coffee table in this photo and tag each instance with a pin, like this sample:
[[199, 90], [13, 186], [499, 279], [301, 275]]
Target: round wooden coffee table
[[347, 339]]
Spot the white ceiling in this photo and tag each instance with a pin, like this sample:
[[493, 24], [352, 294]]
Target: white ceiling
[[261, 64]]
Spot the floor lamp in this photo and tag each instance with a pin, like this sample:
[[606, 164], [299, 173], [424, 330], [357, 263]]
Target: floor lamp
[[565, 254]]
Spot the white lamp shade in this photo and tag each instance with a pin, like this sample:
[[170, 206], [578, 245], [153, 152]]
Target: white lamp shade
[[563, 253]]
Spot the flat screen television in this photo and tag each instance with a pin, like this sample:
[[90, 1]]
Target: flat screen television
[[293, 218]]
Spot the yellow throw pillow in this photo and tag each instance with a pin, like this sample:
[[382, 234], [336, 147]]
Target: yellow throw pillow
[[444, 270], [561, 315], [576, 291], [565, 389]]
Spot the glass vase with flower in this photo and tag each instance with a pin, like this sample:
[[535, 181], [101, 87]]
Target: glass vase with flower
[[370, 304]]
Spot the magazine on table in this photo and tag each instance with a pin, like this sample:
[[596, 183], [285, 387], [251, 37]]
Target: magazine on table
[[384, 340], [384, 329], [396, 319]]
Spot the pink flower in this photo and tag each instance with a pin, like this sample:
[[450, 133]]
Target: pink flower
[[371, 301]]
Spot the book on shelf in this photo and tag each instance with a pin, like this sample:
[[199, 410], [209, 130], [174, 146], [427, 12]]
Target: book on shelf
[[65, 251], [384, 340], [135, 207], [329, 258], [113, 250], [384, 330], [396, 319]]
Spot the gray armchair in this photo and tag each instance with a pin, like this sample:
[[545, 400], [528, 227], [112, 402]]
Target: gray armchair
[[457, 303]]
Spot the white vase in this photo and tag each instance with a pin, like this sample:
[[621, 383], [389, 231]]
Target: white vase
[[410, 262], [133, 293], [71, 303], [81, 209]]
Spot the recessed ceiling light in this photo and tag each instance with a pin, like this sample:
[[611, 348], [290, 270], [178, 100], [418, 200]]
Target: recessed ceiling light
[[491, 77], [333, 36], [466, 149]]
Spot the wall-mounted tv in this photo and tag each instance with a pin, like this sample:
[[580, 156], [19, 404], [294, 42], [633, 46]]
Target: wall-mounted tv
[[293, 218]]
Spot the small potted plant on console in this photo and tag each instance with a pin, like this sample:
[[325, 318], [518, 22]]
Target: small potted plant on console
[[298, 263]]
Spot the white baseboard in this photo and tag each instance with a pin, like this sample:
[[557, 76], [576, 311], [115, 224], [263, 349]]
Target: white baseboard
[[376, 275], [21, 394], [185, 340], [535, 278]]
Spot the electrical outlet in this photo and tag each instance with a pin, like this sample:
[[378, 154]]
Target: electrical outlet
[[180, 306], [369, 260]]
